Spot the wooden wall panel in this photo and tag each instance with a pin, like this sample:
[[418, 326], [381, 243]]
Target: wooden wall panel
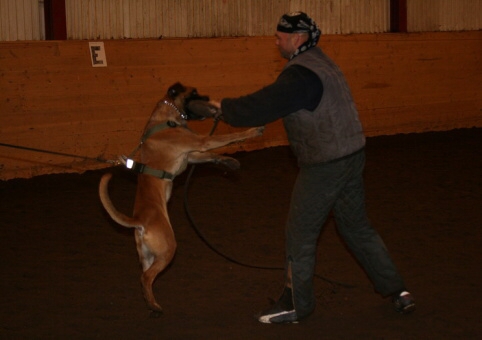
[[52, 98], [412, 82]]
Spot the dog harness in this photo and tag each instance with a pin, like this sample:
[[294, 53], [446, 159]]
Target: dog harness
[[143, 168]]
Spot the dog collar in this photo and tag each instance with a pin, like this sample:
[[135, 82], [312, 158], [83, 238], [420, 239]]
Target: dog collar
[[182, 114], [164, 125]]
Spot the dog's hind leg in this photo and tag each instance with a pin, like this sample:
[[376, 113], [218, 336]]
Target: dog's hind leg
[[147, 279], [152, 264]]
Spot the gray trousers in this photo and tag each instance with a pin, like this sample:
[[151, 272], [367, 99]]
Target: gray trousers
[[319, 189]]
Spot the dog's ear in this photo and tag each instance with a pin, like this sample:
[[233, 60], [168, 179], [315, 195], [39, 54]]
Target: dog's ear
[[175, 90]]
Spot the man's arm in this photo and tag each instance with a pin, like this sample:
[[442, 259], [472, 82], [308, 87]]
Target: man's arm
[[296, 88]]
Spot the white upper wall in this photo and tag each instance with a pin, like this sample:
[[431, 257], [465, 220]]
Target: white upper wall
[[120, 19]]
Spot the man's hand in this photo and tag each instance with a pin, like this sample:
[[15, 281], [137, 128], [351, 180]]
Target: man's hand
[[217, 105]]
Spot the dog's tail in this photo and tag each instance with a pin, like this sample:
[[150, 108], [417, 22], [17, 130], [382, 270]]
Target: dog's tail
[[115, 214]]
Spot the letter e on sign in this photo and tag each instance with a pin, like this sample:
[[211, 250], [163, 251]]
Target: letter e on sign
[[97, 54]]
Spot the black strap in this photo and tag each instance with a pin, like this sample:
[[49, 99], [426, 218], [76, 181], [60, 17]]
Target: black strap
[[144, 169], [157, 128]]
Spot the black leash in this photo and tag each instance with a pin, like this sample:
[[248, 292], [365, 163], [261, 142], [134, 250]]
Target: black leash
[[227, 257], [96, 159]]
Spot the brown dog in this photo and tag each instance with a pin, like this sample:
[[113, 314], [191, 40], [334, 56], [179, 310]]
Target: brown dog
[[166, 149]]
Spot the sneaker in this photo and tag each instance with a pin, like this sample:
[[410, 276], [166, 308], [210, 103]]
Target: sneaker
[[282, 311], [404, 302], [277, 315]]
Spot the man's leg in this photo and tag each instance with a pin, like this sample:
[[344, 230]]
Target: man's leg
[[312, 198], [365, 243]]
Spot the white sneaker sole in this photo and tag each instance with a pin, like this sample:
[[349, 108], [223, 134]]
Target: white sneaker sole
[[267, 318]]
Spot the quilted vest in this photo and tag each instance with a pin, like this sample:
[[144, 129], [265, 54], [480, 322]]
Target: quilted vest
[[333, 130]]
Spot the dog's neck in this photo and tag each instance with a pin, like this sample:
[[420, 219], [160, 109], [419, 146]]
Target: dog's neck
[[165, 111]]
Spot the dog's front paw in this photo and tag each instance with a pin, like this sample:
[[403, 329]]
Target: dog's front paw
[[257, 131], [230, 163]]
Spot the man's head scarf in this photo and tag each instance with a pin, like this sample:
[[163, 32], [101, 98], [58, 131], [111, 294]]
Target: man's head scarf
[[299, 22]]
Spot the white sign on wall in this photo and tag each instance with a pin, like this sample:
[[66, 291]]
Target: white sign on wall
[[97, 54]]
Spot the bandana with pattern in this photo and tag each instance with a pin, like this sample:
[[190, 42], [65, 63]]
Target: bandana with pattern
[[299, 22]]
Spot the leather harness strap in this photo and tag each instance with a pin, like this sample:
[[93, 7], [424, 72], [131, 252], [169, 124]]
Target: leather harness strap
[[143, 168], [157, 128]]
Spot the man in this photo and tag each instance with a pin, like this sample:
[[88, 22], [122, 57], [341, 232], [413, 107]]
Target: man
[[312, 97]]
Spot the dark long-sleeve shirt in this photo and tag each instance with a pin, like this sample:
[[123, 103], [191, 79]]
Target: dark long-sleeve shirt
[[296, 88]]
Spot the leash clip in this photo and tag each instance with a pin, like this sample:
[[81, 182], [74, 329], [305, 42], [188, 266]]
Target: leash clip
[[133, 165], [129, 163]]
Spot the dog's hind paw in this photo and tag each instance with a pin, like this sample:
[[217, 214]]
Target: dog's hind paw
[[229, 162], [155, 314]]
